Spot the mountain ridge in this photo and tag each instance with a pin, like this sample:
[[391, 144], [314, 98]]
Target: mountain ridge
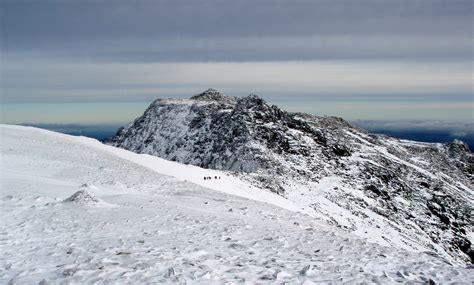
[[412, 195]]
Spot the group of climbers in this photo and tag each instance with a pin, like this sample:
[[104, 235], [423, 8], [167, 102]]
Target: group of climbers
[[210, 177]]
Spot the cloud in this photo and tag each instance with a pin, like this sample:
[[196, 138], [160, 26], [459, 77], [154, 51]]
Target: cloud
[[360, 59], [458, 128], [217, 18], [264, 30], [410, 106], [30, 80], [242, 49]]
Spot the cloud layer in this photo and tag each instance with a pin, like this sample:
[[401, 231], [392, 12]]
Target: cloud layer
[[212, 30], [354, 57]]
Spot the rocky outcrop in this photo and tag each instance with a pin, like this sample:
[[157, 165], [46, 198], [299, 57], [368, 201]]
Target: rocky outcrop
[[82, 197]]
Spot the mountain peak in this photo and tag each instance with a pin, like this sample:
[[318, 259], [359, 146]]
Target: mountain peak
[[211, 95], [297, 155]]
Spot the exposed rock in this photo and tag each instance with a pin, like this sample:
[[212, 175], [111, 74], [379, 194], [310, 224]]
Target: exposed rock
[[82, 197], [341, 150]]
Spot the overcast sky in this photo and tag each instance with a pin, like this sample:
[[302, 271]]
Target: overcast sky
[[363, 59]]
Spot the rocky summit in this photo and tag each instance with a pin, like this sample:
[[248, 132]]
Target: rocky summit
[[411, 195]]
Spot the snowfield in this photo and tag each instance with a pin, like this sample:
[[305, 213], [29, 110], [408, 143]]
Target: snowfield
[[142, 219]]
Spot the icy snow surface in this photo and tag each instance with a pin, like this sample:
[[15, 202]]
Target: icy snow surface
[[146, 219]]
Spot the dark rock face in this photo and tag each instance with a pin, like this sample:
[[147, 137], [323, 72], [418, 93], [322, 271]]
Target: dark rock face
[[419, 194], [212, 130]]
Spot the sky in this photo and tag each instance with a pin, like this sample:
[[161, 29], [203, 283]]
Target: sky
[[103, 62]]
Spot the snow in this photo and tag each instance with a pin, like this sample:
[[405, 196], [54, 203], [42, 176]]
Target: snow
[[365, 224], [167, 224], [227, 183], [383, 151]]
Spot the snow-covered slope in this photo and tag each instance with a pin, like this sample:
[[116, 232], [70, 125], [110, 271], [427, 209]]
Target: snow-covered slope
[[76, 211], [415, 196]]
